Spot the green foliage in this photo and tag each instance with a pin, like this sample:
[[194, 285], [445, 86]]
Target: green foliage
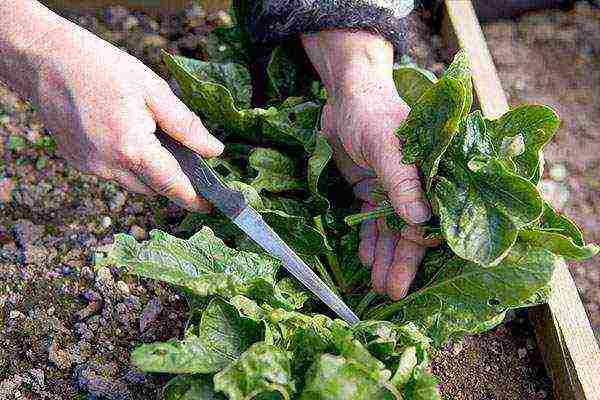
[[255, 333]]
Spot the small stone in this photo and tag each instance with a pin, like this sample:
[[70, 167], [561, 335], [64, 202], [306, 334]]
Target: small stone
[[130, 23], [522, 352], [26, 232], [457, 348], [104, 277], [138, 232], [558, 172], [151, 311], [14, 314], [7, 186], [59, 357], [87, 273], [106, 222], [152, 40], [117, 201], [123, 287]]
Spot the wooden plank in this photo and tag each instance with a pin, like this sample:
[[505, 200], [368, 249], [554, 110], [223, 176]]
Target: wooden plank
[[571, 352]]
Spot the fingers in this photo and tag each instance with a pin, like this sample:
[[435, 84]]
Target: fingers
[[417, 234], [400, 181], [156, 168], [407, 257], [368, 238], [180, 123], [129, 181], [383, 256]]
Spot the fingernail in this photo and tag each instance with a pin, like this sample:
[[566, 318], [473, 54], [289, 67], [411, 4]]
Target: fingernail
[[418, 212]]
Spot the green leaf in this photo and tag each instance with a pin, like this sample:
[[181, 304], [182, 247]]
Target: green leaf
[[560, 223], [282, 74], [408, 362], [558, 244], [250, 194], [467, 299], [481, 211], [317, 162], [412, 81], [191, 387], [536, 124], [212, 95], [431, 126], [292, 123], [460, 69], [221, 337], [276, 171], [424, 387], [297, 232], [263, 368], [202, 264], [353, 374]]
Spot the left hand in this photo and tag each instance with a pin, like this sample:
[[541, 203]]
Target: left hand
[[360, 118]]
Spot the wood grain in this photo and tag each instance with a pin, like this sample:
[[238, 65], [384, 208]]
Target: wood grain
[[565, 337]]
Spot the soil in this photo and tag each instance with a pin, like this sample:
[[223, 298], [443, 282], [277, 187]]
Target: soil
[[66, 330]]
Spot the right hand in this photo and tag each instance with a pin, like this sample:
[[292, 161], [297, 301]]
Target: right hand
[[103, 106]]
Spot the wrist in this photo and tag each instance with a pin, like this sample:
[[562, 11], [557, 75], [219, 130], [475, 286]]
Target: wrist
[[352, 63]]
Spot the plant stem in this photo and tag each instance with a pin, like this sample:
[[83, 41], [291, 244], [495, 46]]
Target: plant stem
[[364, 303], [356, 219], [332, 259]]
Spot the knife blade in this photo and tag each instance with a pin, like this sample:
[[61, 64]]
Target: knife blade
[[207, 183]]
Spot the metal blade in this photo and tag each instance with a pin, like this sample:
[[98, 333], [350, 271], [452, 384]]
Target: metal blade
[[252, 223]]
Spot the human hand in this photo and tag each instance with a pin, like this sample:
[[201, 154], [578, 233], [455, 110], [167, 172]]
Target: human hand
[[360, 118], [103, 107]]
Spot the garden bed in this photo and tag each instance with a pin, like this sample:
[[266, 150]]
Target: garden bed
[[79, 326]]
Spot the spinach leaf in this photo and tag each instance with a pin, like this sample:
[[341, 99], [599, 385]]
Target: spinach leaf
[[191, 387], [220, 339], [263, 368], [412, 81]]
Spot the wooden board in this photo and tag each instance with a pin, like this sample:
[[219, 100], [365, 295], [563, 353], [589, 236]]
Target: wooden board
[[565, 337]]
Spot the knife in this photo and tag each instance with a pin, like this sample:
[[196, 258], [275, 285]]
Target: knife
[[232, 203]]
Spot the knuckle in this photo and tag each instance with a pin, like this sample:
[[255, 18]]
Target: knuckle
[[167, 186]]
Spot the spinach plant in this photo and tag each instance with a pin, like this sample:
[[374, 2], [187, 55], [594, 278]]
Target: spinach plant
[[258, 334]]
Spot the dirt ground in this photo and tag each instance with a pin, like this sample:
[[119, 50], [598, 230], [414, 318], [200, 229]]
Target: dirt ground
[[66, 331]]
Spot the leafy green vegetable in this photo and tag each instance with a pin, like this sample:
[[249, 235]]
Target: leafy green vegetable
[[254, 332], [263, 368], [220, 339], [464, 298]]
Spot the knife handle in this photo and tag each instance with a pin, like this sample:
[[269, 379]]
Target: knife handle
[[205, 181]]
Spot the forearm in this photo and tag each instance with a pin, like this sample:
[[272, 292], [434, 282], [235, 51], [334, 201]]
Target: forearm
[[351, 63], [27, 32]]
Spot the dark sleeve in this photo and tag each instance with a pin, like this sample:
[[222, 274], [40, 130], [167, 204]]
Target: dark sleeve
[[277, 20]]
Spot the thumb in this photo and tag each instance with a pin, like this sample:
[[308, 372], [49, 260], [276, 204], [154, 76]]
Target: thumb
[[176, 119], [400, 181]]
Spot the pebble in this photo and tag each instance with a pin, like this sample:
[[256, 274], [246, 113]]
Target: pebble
[[7, 185], [138, 232], [558, 172], [151, 311], [457, 348], [14, 314], [117, 201], [522, 352], [106, 222], [123, 287], [104, 277], [26, 232]]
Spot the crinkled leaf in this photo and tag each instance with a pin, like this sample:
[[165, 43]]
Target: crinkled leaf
[[191, 387], [460, 69], [467, 299], [431, 125], [276, 171], [536, 124], [303, 238], [219, 340], [423, 387], [353, 374], [293, 292], [250, 194], [293, 123], [481, 211], [262, 368], [203, 263], [213, 99], [412, 81], [558, 244], [317, 162]]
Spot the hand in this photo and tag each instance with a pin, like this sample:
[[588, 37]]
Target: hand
[[103, 107], [360, 119]]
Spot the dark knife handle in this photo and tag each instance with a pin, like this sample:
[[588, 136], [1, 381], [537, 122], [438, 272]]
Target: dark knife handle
[[205, 181]]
